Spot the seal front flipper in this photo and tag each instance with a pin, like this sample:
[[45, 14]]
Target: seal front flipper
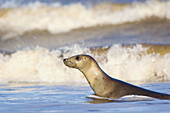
[[97, 99]]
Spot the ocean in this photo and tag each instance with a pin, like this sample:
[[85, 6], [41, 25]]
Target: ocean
[[130, 39]]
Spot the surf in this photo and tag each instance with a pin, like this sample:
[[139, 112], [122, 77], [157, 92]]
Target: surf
[[137, 63], [64, 18]]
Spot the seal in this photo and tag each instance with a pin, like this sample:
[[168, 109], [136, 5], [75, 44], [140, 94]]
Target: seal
[[102, 84]]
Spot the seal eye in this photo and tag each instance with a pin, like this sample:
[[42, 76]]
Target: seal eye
[[77, 57]]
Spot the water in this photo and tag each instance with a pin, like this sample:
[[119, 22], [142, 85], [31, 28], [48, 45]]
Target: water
[[129, 39], [64, 98]]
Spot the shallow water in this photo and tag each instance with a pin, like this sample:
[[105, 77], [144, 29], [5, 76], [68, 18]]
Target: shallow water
[[67, 98], [129, 39]]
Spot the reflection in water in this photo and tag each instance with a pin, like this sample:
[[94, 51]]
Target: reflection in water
[[132, 98], [98, 101]]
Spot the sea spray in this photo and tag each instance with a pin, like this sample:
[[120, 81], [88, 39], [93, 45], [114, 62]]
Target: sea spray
[[41, 65]]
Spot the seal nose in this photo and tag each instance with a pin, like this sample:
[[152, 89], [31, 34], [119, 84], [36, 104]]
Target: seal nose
[[64, 59]]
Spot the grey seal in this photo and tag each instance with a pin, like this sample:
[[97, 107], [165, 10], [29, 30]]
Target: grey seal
[[102, 84]]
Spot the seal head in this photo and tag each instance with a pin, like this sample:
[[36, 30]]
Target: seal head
[[79, 61]]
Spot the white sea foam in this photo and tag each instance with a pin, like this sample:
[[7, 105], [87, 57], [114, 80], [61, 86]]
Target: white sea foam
[[41, 65], [129, 64], [59, 19], [127, 98]]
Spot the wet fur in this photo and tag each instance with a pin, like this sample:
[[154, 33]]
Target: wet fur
[[105, 86]]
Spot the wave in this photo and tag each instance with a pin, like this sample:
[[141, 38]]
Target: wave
[[64, 18], [139, 63]]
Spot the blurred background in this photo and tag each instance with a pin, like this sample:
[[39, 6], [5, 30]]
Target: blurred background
[[130, 39]]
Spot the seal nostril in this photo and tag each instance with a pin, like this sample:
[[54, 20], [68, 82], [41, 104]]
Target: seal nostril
[[64, 60]]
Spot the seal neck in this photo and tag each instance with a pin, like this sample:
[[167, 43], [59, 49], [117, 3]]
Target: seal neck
[[92, 72]]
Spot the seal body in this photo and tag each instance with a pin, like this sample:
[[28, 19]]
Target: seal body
[[102, 84]]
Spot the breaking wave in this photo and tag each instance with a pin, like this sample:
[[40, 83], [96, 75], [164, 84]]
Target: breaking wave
[[40, 65], [63, 18]]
